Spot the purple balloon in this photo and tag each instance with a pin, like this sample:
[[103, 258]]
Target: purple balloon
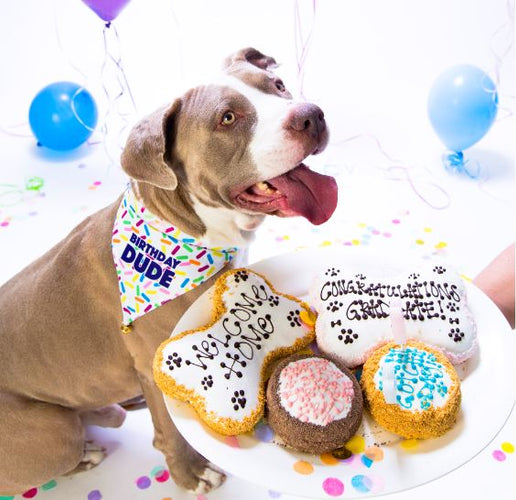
[[106, 9]]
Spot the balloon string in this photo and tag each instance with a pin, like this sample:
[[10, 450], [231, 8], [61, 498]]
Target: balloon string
[[70, 62], [122, 84], [8, 130], [178, 42], [454, 162], [302, 44], [371, 137], [417, 188], [74, 110], [61, 46], [12, 195], [113, 62], [505, 32], [121, 76], [405, 174], [508, 28]]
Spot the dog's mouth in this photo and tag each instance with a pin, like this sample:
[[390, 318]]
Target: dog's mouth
[[299, 191]]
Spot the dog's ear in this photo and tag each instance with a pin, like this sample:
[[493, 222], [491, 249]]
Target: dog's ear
[[147, 153], [249, 56]]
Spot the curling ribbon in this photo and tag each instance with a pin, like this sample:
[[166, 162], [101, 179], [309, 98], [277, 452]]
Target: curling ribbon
[[454, 162]]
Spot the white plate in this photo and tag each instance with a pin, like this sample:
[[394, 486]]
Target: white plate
[[380, 464]]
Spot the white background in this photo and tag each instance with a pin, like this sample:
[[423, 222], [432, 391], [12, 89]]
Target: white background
[[369, 64]]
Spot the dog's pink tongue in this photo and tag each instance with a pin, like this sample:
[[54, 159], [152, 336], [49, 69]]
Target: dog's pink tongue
[[312, 195]]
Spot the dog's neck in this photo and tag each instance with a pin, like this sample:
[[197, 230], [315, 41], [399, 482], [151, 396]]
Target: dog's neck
[[216, 226]]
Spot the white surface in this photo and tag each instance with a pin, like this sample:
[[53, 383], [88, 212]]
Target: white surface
[[485, 406], [369, 64]]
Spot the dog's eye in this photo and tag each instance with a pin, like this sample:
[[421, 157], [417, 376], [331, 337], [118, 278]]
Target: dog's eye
[[228, 118], [280, 85]]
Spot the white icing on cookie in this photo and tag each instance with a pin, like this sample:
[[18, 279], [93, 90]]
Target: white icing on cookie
[[315, 390], [219, 368], [354, 311]]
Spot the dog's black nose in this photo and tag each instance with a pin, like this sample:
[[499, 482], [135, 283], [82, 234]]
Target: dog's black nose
[[309, 119]]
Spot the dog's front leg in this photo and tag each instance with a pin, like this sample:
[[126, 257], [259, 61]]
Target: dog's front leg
[[189, 469]]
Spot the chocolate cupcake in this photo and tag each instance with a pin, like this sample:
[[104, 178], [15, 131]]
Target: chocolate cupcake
[[314, 404]]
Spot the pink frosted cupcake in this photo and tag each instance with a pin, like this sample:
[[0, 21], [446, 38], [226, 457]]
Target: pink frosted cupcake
[[314, 403]]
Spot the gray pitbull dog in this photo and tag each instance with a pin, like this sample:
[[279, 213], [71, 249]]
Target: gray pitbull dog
[[214, 163]]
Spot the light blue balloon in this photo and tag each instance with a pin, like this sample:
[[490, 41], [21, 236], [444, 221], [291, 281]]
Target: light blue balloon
[[63, 115], [462, 106]]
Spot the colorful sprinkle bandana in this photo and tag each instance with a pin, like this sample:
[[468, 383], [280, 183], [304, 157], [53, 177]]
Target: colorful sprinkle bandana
[[155, 261]]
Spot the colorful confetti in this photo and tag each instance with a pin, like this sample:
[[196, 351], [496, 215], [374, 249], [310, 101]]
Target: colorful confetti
[[95, 185], [409, 444], [263, 432], [333, 486], [232, 441], [160, 474], [329, 459], [356, 444], [143, 482], [94, 495], [501, 455], [49, 486], [30, 493], [374, 453], [164, 476], [361, 483], [353, 461], [34, 184], [303, 467]]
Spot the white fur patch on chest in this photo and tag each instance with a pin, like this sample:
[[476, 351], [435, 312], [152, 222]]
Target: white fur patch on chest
[[227, 226]]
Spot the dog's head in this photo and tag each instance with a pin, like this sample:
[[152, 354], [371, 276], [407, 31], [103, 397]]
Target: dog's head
[[234, 150]]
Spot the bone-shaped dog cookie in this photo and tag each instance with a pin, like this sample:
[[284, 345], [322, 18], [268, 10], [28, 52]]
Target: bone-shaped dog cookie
[[354, 311], [220, 368]]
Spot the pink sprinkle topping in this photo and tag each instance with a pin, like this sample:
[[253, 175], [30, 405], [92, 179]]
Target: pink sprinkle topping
[[315, 390]]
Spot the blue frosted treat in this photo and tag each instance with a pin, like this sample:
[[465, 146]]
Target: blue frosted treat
[[411, 390]]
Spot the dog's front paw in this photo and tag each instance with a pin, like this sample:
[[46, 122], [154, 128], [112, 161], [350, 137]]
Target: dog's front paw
[[92, 456], [211, 478], [195, 473]]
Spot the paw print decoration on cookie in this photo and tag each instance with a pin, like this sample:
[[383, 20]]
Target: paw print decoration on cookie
[[219, 368], [433, 305]]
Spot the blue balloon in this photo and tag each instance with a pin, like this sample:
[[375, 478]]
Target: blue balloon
[[462, 106], [63, 116]]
